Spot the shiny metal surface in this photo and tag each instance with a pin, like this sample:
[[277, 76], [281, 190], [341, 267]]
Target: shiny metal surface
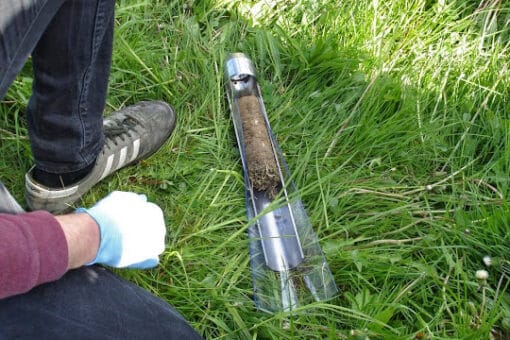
[[238, 66], [284, 250]]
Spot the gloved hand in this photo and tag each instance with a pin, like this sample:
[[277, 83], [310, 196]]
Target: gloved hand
[[132, 230]]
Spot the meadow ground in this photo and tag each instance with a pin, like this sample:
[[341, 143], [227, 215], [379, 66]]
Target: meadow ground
[[394, 119]]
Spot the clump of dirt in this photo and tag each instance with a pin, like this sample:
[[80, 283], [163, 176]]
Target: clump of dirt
[[262, 167]]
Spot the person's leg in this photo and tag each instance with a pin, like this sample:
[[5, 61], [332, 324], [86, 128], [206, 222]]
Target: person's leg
[[131, 134], [71, 68], [91, 303], [22, 23], [72, 146]]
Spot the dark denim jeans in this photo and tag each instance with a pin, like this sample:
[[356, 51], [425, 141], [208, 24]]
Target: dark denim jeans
[[91, 303], [71, 45]]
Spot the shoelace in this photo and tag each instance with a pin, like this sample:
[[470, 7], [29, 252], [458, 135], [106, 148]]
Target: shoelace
[[117, 129]]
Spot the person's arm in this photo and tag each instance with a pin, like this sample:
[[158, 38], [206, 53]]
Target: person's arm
[[82, 235], [121, 230], [33, 250]]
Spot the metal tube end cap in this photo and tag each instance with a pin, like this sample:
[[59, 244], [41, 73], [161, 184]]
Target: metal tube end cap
[[238, 66]]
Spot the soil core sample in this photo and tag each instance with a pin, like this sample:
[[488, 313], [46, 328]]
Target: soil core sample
[[262, 168]]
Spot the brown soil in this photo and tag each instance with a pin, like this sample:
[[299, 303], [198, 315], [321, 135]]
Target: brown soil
[[262, 167]]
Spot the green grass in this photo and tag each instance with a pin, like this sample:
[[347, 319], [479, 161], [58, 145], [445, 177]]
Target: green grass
[[394, 119]]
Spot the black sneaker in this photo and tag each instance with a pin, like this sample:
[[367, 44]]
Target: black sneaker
[[131, 134]]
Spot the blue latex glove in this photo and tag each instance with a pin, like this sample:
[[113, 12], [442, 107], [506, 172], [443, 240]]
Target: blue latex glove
[[132, 230]]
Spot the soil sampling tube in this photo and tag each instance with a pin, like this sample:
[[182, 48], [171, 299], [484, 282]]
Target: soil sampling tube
[[288, 266]]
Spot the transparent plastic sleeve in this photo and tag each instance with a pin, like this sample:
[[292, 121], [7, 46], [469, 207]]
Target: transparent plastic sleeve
[[289, 268]]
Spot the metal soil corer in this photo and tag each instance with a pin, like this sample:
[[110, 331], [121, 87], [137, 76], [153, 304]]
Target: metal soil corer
[[288, 266]]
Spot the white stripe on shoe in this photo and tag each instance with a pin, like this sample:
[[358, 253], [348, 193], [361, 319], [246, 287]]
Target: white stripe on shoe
[[136, 149], [108, 167], [122, 158]]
